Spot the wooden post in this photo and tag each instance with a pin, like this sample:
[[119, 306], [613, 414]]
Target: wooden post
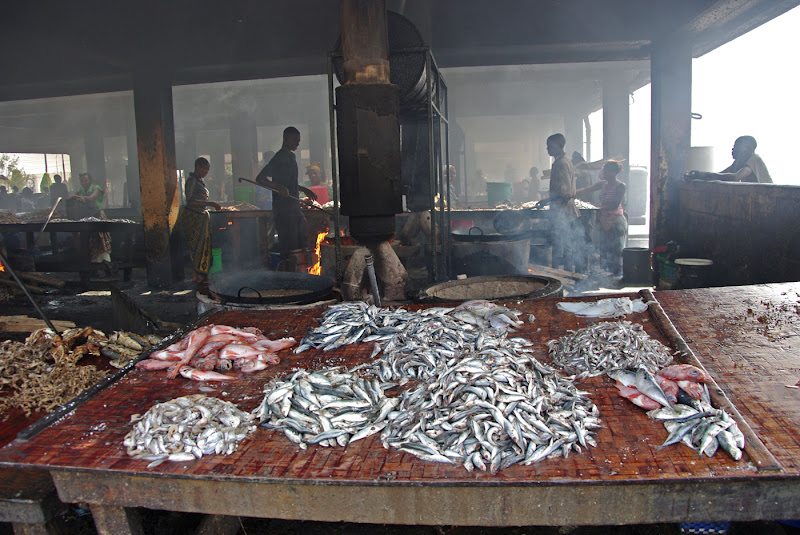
[[152, 97], [671, 97]]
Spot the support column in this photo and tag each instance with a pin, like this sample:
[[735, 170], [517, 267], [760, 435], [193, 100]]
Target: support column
[[616, 125], [77, 164], [217, 174], [95, 156], [187, 151], [318, 146], [616, 119], [573, 131], [671, 101], [155, 132], [244, 150], [133, 188]]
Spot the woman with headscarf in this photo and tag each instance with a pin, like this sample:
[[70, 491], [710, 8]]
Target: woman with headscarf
[[196, 222], [90, 196], [314, 172], [612, 228]]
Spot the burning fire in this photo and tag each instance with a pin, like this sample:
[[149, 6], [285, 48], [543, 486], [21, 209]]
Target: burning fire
[[316, 269], [2, 267]]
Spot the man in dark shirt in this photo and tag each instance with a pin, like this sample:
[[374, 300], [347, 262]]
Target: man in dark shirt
[[289, 220], [58, 189]]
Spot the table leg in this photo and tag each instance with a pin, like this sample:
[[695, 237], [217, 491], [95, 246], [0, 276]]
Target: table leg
[[237, 243], [114, 520], [219, 525], [34, 529]]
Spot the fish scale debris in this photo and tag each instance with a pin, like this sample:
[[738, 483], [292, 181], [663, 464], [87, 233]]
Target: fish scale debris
[[186, 428], [600, 347]]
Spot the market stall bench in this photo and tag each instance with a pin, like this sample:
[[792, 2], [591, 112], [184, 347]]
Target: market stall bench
[[123, 243], [743, 336]]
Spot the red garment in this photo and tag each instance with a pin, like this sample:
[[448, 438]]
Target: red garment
[[321, 193]]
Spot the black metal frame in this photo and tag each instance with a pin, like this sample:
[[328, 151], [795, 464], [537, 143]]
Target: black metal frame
[[435, 110]]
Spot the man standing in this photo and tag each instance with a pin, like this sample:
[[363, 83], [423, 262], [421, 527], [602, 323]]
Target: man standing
[[563, 213], [747, 166], [289, 220], [57, 189]]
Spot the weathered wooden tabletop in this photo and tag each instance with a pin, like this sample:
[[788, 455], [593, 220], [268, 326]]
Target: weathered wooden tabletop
[[745, 336]]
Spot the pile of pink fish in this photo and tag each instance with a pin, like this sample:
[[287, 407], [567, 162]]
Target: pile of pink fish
[[219, 347], [662, 389]]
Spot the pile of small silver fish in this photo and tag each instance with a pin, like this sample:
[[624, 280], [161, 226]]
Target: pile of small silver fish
[[326, 407], [430, 338], [186, 428], [701, 427], [482, 400], [600, 347], [355, 321], [492, 409]]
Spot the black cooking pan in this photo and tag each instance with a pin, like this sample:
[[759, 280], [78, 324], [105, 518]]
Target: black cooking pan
[[271, 287], [476, 235]]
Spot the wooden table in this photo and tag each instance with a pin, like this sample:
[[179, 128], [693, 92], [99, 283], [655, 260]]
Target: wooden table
[[80, 262], [747, 338]]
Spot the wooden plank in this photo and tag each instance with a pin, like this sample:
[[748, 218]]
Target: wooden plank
[[26, 324], [541, 503], [41, 278], [561, 272], [33, 289], [754, 447]]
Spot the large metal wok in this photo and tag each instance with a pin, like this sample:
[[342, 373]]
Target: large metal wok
[[271, 287]]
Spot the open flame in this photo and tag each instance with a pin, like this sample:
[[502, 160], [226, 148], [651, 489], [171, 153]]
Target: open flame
[[316, 269], [2, 267]]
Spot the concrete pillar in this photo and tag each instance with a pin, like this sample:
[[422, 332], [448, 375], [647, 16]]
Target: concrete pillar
[[133, 188], [187, 150], [217, 174], [573, 131], [244, 150], [77, 164], [95, 156], [318, 146], [155, 132], [671, 101], [616, 119]]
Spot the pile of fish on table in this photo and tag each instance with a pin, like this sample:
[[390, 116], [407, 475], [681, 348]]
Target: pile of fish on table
[[608, 345], [186, 428], [477, 398], [678, 397], [219, 347]]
